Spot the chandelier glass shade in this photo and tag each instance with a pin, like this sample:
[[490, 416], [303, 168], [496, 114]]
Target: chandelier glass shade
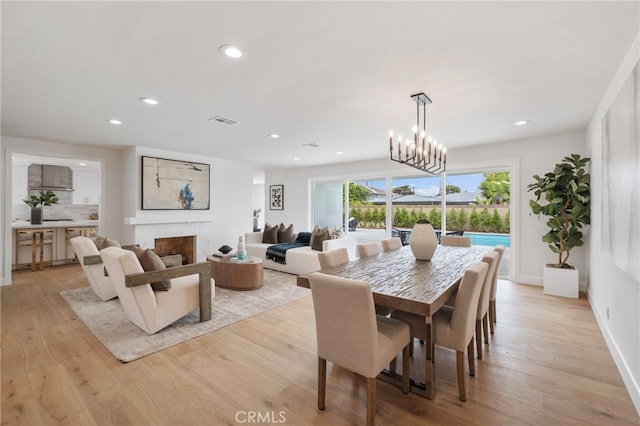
[[422, 152]]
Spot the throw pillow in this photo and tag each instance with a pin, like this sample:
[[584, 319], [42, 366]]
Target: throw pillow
[[322, 236], [316, 232], [104, 242], [150, 261], [304, 237], [270, 234], [336, 233], [285, 234]]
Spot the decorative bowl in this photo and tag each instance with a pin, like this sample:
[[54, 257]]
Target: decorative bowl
[[225, 249]]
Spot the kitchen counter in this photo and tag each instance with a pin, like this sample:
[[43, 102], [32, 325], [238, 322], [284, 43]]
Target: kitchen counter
[[25, 224]]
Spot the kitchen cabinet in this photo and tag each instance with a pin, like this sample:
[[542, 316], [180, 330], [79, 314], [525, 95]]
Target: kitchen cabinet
[[86, 185]]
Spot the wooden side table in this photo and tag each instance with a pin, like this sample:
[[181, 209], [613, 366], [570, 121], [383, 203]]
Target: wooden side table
[[236, 274]]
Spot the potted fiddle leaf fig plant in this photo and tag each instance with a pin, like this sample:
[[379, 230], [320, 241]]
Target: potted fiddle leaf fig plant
[[37, 202], [564, 197]]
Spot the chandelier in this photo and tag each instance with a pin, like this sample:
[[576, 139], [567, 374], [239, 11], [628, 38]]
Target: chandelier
[[421, 152]]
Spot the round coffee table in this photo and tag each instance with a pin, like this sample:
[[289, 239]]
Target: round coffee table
[[236, 274]]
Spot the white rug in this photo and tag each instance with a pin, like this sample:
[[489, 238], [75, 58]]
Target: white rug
[[108, 322]]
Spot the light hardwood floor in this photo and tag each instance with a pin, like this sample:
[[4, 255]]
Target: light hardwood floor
[[547, 365]]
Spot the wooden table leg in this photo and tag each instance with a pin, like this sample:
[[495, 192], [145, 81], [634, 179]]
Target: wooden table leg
[[429, 366]]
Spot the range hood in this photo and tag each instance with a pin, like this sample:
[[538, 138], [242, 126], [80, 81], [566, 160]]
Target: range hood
[[47, 176]]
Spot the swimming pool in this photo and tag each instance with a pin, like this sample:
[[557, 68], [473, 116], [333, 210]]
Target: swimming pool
[[484, 239]]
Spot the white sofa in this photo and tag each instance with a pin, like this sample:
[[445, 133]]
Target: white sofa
[[300, 260]]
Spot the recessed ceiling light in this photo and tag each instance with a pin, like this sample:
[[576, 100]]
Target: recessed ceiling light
[[116, 122], [339, 152], [82, 164], [296, 158], [274, 135], [520, 123], [231, 51], [149, 101]]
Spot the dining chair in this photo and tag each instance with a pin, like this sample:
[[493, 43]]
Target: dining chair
[[494, 289], [455, 240], [351, 335], [368, 249], [482, 314], [454, 328], [391, 243], [331, 258]]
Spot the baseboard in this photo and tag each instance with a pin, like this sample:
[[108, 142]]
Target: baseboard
[[630, 383]]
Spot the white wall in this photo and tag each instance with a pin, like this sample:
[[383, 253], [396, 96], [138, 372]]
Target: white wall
[[525, 158], [610, 289]]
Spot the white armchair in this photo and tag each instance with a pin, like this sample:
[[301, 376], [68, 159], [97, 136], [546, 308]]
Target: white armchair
[[191, 288], [89, 257]]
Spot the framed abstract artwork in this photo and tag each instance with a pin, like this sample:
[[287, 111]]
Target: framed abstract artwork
[[174, 184], [276, 197]]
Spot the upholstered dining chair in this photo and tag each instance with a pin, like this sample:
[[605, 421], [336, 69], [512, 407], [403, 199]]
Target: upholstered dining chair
[[89, 258], [331, 258], [368, 249], [350, 335], [455, 240], [391, 243], [454, 327], [153, 310], [494, 289], [482, 314]]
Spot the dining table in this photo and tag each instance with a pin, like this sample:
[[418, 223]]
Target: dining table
[[399, 281]]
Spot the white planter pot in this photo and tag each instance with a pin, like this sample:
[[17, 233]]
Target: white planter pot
[[560, 282]]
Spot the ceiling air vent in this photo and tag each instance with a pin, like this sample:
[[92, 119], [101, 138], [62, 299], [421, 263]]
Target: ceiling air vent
[[224, 120], [312, 145]]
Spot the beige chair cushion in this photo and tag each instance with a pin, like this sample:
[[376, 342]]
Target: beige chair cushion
[[491, 259], [454, 327], [100, 283], [368, 249], [331, 258], [494, 280], [348, 331], [455, 240], [391, 243]]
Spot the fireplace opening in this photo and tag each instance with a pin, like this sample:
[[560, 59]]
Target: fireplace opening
[[185, 246]]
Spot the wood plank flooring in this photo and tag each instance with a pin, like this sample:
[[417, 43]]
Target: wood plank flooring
[[547, 364]]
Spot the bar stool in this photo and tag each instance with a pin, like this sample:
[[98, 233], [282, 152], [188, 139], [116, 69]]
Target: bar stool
[[37, 239], [76, 232]]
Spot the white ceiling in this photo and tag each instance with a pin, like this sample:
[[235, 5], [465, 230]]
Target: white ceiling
[[338, 74]]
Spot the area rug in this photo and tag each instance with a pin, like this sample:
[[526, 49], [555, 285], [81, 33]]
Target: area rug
[[108, 322]]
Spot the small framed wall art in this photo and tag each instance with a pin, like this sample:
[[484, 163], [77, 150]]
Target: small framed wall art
[[174, 185], [276, 197]]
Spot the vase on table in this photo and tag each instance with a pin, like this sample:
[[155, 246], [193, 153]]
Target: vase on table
[[423, 240], [36, 215], [242, 253]]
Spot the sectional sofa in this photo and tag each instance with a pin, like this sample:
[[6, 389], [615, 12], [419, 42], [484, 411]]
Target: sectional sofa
[[300, 260]]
